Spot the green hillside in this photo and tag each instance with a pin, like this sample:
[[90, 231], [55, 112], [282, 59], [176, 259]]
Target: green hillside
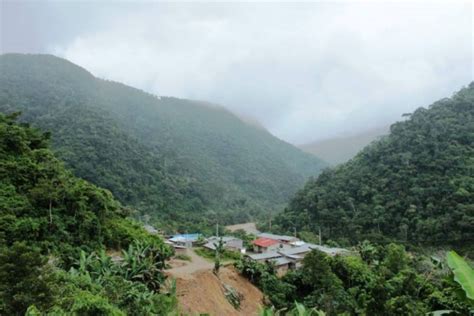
[[54, 229], [167, 156], [340, 149], [415, 185]]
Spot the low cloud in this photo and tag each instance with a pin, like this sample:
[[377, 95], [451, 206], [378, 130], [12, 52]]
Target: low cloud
[[306, 71]]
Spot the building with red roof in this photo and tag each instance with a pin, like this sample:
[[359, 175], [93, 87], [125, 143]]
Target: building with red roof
[[263, 244]]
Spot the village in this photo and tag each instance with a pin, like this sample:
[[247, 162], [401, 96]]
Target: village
[[282, 251]]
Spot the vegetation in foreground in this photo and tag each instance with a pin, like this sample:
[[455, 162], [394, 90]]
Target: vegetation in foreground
[[383, 280], [54, 231]]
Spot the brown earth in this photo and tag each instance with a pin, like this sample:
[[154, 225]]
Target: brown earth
[[203, 292], [185, 269], [249, 228]]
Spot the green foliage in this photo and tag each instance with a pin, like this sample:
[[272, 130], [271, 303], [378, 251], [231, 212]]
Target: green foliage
[[299, 310], [388, 282], [463, 273], [47, 218], [233, 296], [246, 238], [43, 202], [217, 259], [25, 279], [413, 186], [225, 254], [165, 156], [182, 256]]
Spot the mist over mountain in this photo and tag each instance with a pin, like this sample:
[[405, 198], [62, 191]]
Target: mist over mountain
[[162, 155], [340, 149]]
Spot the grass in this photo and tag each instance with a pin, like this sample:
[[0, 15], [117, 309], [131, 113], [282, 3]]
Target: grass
[[183, 257], [226, 257]]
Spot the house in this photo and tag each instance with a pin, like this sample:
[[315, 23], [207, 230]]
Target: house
[[330, 251], [285, 257], [178, 249], [281, 263], [281, 238], [230, 243], [265, 245], [296, 253], [264, 257], [186, 240], [297, 243]]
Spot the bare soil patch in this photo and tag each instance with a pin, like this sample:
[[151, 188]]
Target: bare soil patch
[[249, 228], [204, 293]]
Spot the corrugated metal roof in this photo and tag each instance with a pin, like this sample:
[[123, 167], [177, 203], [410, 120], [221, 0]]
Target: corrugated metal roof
[[294, 257], [185, 237], [264, 256], [296, 250], [277, 237], [328, 250], [281, 261], [210, 245], [224, 238], [265, 242]]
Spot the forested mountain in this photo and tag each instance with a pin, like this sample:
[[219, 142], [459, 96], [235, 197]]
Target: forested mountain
[[340, 149], [415, 185], [54, 229], [162, 155]]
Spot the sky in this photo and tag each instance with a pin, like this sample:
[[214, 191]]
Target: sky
[[306, 71]]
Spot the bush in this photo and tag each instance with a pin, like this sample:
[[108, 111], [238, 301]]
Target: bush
[[183, 257]]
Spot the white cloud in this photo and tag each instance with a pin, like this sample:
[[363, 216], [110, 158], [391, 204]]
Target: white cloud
[[306, 71]]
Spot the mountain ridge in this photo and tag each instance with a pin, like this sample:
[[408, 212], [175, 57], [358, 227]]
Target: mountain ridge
[[162, 154], [415, 185]]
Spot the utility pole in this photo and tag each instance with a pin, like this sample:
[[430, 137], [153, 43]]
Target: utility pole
[[320, 235], [217, 229], [295, 230]]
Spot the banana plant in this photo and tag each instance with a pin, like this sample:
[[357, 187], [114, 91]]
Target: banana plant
[[463, 274], [299, 310]]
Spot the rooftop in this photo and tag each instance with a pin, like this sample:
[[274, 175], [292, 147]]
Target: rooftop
[[328, 250], [264, 256], [277, 237], [185, 237], [281, 261], [264, 242], [224, 238], [296, 250], [212, 241]]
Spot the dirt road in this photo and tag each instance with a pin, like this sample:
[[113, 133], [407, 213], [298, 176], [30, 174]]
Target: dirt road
[[185, 269], [199, 290]]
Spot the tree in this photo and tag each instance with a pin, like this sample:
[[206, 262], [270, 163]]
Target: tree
[[25, 277], [217, 259]]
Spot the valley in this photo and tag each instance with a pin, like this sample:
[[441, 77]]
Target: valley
[[115, 201]]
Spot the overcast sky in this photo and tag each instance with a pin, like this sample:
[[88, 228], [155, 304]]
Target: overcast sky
[[306, 71]]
